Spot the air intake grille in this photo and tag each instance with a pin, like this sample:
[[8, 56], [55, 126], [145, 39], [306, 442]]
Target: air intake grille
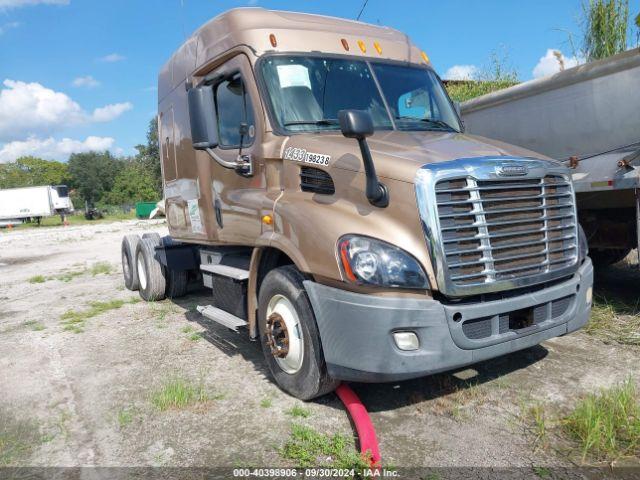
[[496, 230], [316, 181]]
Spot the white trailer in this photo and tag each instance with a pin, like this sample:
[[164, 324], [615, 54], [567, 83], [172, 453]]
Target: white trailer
[[34, 203], [588, 117]]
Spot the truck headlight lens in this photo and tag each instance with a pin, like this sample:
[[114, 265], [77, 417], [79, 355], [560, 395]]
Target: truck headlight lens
[[368, 261]]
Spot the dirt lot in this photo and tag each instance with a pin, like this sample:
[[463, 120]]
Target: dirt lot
[[81, 382]]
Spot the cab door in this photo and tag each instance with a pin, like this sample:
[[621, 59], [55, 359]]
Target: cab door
[[238, 200]]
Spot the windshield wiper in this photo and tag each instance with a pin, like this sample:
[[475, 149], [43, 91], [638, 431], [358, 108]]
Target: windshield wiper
[[324, 121], [431, 121]]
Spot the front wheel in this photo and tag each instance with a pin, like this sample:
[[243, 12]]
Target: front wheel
[[289, 335]]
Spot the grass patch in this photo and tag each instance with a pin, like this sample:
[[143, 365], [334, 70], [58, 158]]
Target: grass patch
[[606, 425], [124, 417], [100, 268], [34, 325], [77, 220], [178, 393], [194, 337], [75, 321], [614, 320], [187, 329], [37, 279], [266, 402], [18, 438], [299, 412], [309, 448]]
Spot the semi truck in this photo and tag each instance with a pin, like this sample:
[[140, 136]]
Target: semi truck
[[318, 180], [589, 118], [34, 203]]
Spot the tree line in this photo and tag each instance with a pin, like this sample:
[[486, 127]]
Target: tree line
[[98, 178]]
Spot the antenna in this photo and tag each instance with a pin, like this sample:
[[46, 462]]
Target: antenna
[[364, 5]]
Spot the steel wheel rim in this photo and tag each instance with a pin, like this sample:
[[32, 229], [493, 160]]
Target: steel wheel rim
[[292, 362], [142, 274]]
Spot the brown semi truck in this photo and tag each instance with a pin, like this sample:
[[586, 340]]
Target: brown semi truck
[[317, 178]]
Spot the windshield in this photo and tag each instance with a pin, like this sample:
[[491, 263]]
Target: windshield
[[306, 94]]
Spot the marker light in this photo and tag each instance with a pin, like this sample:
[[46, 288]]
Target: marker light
[[345, 44], [272, 39], [424, 57], [378, 48], [267, 219], [362, 46]]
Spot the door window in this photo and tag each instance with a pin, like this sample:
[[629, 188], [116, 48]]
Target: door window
[[233, 107]]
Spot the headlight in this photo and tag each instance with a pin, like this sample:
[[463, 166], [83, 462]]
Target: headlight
[[583, 245], [374, 262]]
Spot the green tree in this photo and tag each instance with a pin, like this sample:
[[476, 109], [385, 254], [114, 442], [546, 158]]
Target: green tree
[[33, 171], [605, 29], [149, 154], [133, 184], [490, 78], [93, 174]]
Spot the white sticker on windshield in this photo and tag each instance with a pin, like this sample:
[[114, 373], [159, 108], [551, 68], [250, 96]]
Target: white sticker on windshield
[[301, 155], [293, 76]]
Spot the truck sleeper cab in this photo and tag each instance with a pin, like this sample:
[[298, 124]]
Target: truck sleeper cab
[[318, 180]]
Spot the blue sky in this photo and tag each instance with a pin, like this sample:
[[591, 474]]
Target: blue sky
[[81, 74]]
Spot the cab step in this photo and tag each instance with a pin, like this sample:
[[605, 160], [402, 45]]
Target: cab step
[[218, 315]]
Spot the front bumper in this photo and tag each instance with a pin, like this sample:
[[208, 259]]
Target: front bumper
[[356, 330]]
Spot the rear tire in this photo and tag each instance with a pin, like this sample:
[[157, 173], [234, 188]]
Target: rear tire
[[176, 283], [129, 266], [154, 237], [151, 276], [283, 306]]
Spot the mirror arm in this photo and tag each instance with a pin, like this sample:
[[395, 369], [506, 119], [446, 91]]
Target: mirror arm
[[376, 191], [244, 166]]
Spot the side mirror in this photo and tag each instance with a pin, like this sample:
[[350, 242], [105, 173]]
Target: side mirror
[[202, 116], [355, 123], [358, 124]]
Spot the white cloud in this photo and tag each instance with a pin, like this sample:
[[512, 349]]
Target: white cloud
[[461, 72], [52, 149], [553, 62], [7, 4], [87, 81], [8, 26], [111, 58], [32, 109], [110, 112]]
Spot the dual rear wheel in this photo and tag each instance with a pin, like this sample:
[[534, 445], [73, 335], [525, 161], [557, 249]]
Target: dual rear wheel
[[143, 272]]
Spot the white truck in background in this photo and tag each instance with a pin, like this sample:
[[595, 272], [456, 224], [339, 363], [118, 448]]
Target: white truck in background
[[34, 203], [589, 118]]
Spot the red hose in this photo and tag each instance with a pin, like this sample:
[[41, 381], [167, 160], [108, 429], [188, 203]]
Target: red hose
[[364, 427]]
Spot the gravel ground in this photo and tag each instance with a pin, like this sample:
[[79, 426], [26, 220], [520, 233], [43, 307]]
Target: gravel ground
[[89, 394]]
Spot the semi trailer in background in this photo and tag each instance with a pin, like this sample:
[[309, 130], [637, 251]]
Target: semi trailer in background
[[589, 118], [34, 203], [318, 182]]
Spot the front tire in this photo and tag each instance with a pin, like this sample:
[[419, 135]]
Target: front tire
[[151, 275], [289, 335]]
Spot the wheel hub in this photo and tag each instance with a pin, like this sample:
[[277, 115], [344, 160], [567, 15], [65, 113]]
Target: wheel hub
[[277, 335]]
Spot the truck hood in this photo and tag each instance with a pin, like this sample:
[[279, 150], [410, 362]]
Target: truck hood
[[398, 155]]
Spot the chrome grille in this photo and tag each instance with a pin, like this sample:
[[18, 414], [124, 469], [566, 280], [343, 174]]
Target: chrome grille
[[497, 223], [503, 229]]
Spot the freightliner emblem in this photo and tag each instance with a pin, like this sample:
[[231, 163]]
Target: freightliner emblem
[[512, 170]]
